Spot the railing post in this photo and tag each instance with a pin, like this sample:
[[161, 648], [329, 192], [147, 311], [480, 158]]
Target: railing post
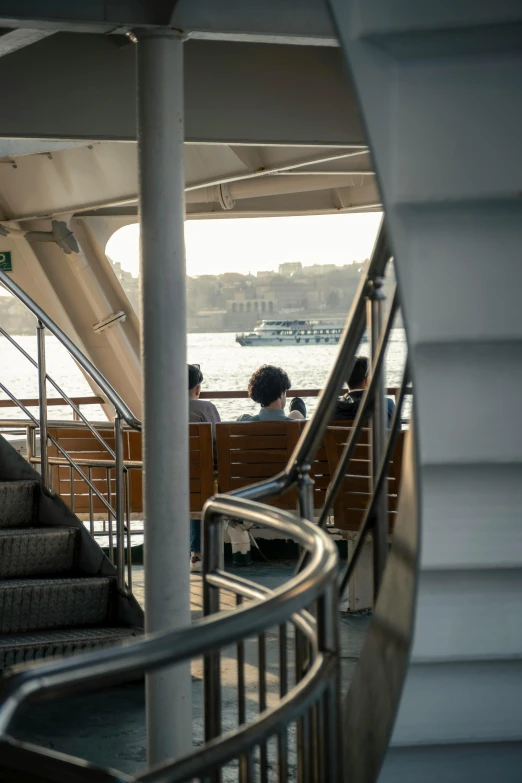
[[305, 491], [375, 313], [42, 396], [120, 503], [212, 549], [329, 643], [29, 441]]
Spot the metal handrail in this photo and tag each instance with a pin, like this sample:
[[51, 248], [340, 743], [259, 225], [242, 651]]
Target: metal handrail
[[114, 398], [267, 609], [123, 415]]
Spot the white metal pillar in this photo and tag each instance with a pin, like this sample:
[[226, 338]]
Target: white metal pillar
[[162, 207]]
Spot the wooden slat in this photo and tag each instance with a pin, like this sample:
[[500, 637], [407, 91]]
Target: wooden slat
[[270, 456], [79, 445], [261, 428], [94, 455], [256, 470], [249, 442], [75, 432], [361, 500], [364, 434]]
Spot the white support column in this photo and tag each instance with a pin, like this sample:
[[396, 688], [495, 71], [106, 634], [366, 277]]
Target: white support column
[[162, 206]]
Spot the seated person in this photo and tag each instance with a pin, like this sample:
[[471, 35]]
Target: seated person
[[199, 411], [346, 407], [268, 386]]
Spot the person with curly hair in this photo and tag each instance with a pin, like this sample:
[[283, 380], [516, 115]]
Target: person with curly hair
[[268, 386]]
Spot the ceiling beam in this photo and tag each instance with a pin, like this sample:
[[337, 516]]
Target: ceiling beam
[[12, 40], [267, 21], [83, 87]]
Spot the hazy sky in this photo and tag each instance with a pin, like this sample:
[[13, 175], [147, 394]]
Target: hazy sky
[[253, 244]]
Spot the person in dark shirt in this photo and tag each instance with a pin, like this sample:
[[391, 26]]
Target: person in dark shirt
[[347, 405]]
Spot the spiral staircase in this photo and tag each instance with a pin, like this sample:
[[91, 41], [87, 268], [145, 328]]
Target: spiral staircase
[[436, 693]]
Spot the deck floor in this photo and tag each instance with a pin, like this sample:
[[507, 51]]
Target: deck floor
[[108, 728]]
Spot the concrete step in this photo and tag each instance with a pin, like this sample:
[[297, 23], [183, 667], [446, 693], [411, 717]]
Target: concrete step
[[44, 551], [44, 604], [25, 647], [18, 501]]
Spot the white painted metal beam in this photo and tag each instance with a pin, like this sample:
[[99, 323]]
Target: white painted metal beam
[[104, 175]]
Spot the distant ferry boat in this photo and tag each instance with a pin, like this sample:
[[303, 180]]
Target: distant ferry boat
[[293, 333]]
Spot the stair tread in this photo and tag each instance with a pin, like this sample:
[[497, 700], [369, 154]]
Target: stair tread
[[18, 500], [37, 552], [25, 531], [68, 634], [28, 605], [71, 580]]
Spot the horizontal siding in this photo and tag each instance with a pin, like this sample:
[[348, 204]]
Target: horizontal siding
[[443, 113], [472, 516], [460, 702], [468, 615], [472, 763]]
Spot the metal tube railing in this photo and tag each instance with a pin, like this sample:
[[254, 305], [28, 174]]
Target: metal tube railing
[[113, 397], [368, 518], [123, 413], [42, 395], [362, 414]]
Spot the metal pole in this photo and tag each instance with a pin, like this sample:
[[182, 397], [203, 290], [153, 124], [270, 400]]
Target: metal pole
[[164, 368], [42, 394], [305, 491], [379, 434], [120, 503]]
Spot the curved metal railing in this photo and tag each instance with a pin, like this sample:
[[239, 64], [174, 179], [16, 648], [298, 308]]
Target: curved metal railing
[[311, 702]]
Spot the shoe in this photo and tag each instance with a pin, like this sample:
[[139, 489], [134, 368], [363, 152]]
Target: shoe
[[195, 564]]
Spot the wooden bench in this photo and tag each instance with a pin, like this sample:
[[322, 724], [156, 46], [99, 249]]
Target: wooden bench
[[81, 444], [249, 452], [352, 500], [354, 495]]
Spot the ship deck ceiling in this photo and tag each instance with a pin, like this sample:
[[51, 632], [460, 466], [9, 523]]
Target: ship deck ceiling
[[249, 150], [100, 179]]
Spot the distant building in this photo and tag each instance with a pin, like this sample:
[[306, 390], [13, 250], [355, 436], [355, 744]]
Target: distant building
[[266, 273], [316, 270], [290, 268]]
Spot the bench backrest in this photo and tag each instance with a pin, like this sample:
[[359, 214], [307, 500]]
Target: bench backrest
[[354, 495], [248, 452], [82, 444]]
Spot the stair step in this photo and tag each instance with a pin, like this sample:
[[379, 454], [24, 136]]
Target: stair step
[[37, 551], [24, 647], [17, 503], [43, 604]]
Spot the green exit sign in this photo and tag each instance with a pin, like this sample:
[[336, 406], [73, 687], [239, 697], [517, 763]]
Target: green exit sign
[[5, 262]]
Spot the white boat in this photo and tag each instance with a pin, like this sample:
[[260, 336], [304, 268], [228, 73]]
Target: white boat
[[293, 333]]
